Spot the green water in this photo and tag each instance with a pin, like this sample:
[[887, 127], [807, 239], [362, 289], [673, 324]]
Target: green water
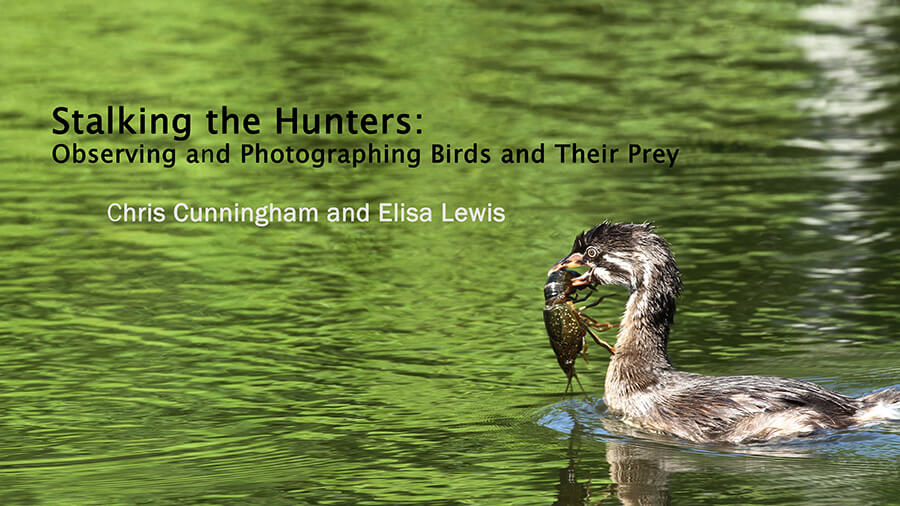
[[407, 362]]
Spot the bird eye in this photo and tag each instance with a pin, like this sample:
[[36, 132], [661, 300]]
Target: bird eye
[[592, 252]]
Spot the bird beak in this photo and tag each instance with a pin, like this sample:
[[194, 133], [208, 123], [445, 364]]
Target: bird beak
[[573, 260]]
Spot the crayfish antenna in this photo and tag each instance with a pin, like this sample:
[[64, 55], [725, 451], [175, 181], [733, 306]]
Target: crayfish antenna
[[569, 384], [579, 384], [602, 297]]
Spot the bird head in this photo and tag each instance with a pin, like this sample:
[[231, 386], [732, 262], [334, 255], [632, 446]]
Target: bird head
[[623, 254]]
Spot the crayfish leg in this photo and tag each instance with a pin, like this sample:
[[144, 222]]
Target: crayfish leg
[[600, 327], [601, 342]]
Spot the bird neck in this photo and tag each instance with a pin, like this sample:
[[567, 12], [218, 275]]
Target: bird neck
[[644, 333], [640, 361]]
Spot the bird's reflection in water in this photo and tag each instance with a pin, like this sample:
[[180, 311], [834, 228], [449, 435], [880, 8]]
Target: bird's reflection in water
[[640, 476], [637, 475], [640, 465]]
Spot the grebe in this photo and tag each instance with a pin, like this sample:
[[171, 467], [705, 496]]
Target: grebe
[[644, 387]]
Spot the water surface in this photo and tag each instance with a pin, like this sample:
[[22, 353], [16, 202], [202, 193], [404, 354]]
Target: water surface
[[407, 363]]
